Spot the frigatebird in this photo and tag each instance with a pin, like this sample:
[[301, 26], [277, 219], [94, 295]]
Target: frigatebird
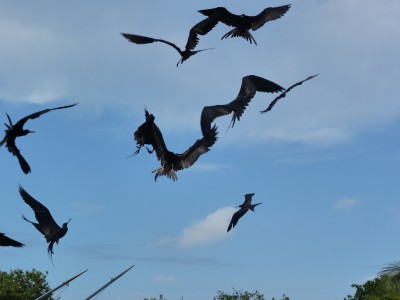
[[201, 28], [242, 23], [250, 85], [6, 241], [149, 134], [46, 224], [243, 209], [16, 130]]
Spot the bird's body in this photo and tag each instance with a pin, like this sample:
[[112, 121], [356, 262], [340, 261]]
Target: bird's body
[[201, 28], [6, 241], [46, 224], [149, 134], [244, 207], [243, 23], [250, 85], [16, 130]]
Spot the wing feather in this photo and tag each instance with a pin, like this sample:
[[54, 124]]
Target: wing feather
[[268, 14]]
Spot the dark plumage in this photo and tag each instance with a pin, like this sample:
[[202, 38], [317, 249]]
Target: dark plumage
[[17, 130], [201, 28], [6, 241], [149, 134], [243, 209], [282, 95], [250, 85], [46, 226], [242, 23]]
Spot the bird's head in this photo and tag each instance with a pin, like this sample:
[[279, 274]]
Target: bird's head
[[26, 131], [65, 225]]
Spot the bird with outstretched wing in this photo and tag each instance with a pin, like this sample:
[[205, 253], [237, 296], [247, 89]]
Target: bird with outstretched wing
[[16, 130], [201, 28], [46, 224], [243, 23], [149, 134], [243, 209]]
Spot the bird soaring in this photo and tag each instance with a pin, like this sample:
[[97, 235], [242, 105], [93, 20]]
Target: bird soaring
[[250, 85], [149, 134], [242, 23], [243, 209], [201, 28], [282, 95], [6, 241], [46, 224], [16, 130]]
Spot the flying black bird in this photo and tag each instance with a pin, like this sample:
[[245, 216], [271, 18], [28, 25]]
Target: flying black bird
[[6, 241], [242, 23], [17, 130], [149, 134], [282, 95], [250, 85], [201, 28], [46, 226], [243, 209]]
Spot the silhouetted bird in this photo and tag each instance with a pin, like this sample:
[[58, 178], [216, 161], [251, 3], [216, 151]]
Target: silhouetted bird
[[46, 226], [149, 134], [242, 23], [282, 95], [250, 85], [6, 241], [201, 28], [17, 130], [243, 209]]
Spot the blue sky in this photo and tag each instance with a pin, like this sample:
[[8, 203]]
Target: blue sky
[[324, 162]]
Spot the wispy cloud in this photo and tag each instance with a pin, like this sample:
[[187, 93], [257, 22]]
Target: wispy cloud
[[164, 278], [346, 203], [87, 208], [207, 167], [208, 230]]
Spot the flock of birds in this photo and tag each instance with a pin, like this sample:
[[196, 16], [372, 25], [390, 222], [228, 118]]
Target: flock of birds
[[149, 134]]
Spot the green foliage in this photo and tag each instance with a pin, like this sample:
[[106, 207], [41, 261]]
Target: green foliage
[[20, 285], [384, 287], [239, 295], [243, 295]]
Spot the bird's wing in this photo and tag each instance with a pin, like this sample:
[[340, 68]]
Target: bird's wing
[[222, 15], [13, 149], [35, 115], [248, 197], [42, 214], [283, 94], [235, 218], [140, 39], [201, 28], [250, 85], [201, 146], [210, 113], [6, 241], [268, 14]]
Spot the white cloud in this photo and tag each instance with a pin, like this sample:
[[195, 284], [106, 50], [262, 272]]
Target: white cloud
[[346, 203], [209, 230]]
